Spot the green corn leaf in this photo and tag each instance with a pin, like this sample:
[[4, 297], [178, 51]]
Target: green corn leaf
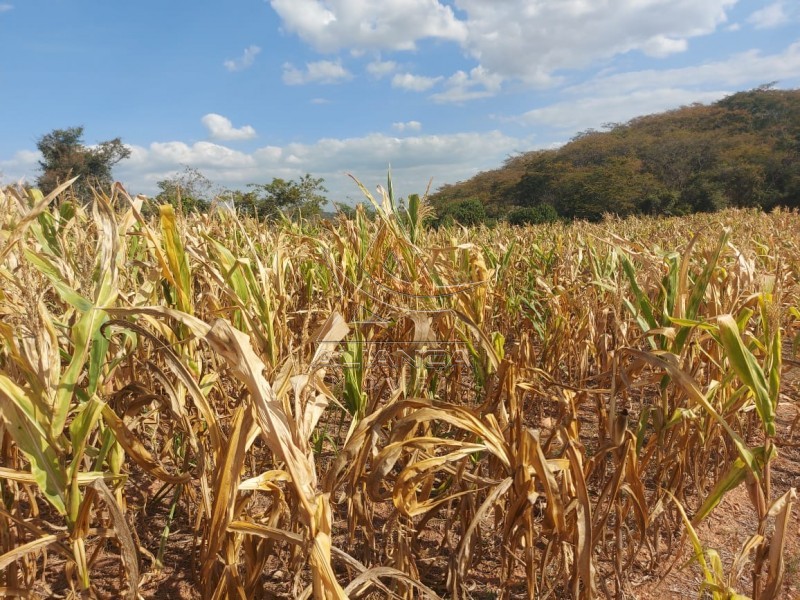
[[640, 319], [88, 326], [231, 270], [732, 478], [748, 370], [773, 351], [83, 334], [689, 385], [743, 317], [641, 428], [16, 407], [97, 357], [80, 428], [692, 323], [699, 286], [697, 545], [46, 233], [669, 284], [390, 190], [642, 300]]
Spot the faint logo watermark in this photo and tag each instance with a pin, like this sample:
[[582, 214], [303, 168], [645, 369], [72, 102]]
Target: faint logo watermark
[[405, 293]]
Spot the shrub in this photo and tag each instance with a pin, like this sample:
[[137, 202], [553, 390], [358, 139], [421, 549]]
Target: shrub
[[469, 212], [531, 215]]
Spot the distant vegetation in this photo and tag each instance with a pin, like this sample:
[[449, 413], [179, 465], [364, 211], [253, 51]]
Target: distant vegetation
[[65, 155], [743, 151], [740, 152]]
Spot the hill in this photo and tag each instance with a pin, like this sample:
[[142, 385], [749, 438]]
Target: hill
[[742, 151]]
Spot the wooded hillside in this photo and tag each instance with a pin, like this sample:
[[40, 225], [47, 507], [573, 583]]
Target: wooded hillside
[[742, 151]]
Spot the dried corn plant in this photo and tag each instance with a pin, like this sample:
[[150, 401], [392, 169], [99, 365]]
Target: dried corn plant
[[369, 406]]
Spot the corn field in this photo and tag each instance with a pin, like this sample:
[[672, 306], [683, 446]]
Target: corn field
[[369, 408]]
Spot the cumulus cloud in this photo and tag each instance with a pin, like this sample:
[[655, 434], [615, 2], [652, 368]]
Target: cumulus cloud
[[221, 128], [660, 46], [321, 71], [23, 166], [590, 112], [415, 159], [245, 61], [462, 86], [742, 69], [200, 155], [381, 68], [414, 83], [330, 25], [768, 17], [5, 7], [532, 42], [622, 96], [407, 126]]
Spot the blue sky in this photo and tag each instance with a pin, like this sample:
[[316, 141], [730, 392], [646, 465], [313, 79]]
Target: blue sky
[[250, 90]]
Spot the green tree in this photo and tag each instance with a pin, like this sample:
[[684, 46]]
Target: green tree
[[704, 195], [466, 212], [347, 211], [305, 196], [64, 156], [534, 187], [532, 215], [188, 191], [239, 200]]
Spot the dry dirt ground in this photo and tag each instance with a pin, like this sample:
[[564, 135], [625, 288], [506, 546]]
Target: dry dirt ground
[[734, 520]]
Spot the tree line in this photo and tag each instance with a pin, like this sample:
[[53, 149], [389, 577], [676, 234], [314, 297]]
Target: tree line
[[742, 151], [65, 155]]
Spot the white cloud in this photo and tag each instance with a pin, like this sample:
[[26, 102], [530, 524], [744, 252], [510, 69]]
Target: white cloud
[[407, 126], [660, 46], [622, 96], [532, 42], [414, 83], [322, 71], [330, 25], [221, 128], [747, 68], [381, 68], [5, 7], [591, 112], [245, 61], [414, 160], [202, 155], [23, 166], [461, 86], [320, 101], [769, 16]]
